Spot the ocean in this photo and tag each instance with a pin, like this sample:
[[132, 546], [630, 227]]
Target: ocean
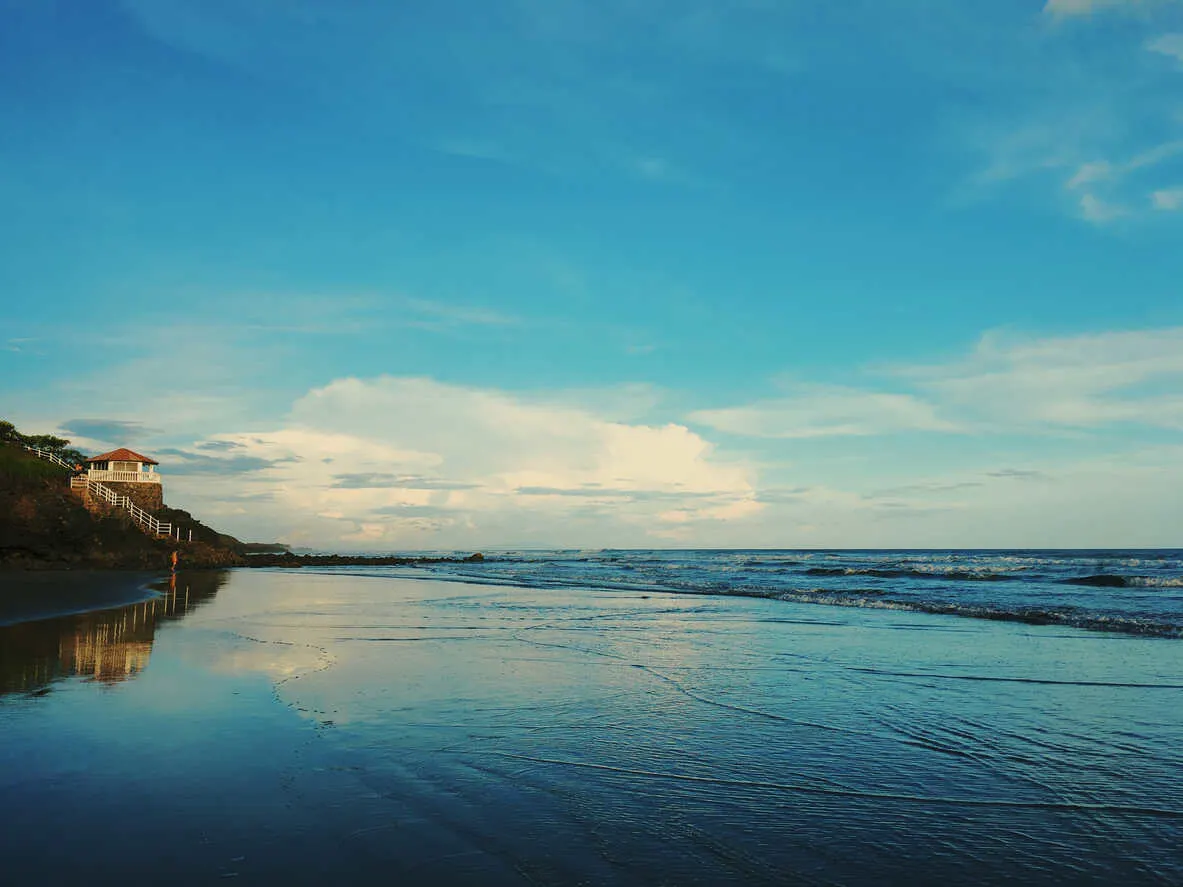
[[609, 717], [1135, 591]]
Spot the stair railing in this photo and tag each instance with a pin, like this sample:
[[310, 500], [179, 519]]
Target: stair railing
[[50, 456]]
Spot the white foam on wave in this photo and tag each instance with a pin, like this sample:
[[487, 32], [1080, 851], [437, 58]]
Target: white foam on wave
[[1155, 581]]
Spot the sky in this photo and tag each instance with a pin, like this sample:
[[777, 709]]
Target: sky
[[375, 276]]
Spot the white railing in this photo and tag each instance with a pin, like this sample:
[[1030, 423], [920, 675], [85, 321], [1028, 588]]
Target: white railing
[[49, 456], [123, 477], [143, 519]]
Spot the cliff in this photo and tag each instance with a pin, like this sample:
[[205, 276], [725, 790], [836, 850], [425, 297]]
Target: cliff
[[44, 526]]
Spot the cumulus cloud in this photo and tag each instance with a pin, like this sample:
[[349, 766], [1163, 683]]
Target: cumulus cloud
[[397, 463], [376, 462]]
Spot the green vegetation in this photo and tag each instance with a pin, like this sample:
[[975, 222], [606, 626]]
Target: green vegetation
[[17, 465], [56, 445]]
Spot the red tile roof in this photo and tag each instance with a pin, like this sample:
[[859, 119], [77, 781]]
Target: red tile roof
[[123, 454]]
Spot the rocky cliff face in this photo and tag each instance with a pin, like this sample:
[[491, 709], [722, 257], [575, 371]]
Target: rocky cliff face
[[148, 496]]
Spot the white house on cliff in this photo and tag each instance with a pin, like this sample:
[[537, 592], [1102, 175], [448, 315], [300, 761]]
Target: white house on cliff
[[129, 474]]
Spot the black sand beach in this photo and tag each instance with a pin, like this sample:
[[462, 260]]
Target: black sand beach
[[42, 594]]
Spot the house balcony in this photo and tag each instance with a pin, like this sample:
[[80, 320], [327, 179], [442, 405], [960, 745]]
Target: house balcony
[[123, 477]]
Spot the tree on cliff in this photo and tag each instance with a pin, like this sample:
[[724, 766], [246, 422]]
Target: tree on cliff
[[60, 446]]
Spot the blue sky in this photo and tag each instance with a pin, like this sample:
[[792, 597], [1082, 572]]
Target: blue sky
[[621, 273]]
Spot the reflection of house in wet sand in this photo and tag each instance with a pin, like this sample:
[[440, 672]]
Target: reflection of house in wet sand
[[108, 645], [109, 652]]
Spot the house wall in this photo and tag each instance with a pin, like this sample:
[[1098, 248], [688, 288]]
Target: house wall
[[122, 466]]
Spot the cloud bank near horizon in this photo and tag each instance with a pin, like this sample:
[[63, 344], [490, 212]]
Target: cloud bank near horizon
[[1015, 442]]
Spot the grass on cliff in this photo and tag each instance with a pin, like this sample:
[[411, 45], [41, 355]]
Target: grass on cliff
[[17, 466]]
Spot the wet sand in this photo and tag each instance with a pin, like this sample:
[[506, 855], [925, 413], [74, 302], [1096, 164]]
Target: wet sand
[[313, 728], [26, 596]]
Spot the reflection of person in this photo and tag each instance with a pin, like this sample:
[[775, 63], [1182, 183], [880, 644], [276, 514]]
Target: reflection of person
[[173, 562]]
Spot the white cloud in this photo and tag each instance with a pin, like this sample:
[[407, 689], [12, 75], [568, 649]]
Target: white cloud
[[1113, 500], [1078, 381], [1094, 209], [827, 411], [1103, 169], [1087, 173], [378, 462], [1054, 139], [1051, 149], [1109, 174], [1003, 385], [397, 463], [1169, 199], [1069, 8], [441, 313], [1167, 44], [1085, 123]]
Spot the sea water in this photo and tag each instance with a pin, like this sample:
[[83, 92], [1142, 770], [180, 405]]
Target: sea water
[[609, 718], [1135, 591]]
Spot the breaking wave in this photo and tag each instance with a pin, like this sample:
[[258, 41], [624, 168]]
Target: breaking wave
[[1027, 615], [897, 573], [1112, 580]]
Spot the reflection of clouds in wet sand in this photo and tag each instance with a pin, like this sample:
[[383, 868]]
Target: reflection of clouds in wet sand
[[278, 660], [109, 646]]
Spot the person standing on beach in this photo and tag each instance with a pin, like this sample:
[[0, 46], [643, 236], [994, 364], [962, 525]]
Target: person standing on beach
[[173, 562]]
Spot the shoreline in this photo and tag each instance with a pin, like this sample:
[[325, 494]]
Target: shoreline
[[34, 595], [287, 559]]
